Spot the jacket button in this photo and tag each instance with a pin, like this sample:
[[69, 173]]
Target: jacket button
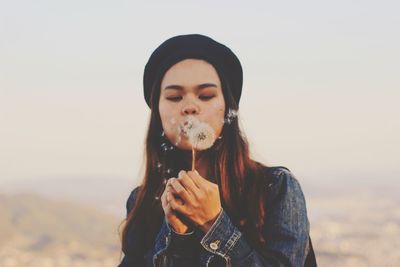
[[214, 245]]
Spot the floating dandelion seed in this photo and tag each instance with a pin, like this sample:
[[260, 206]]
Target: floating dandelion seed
[[159, 165], [164, 147], [169, 171], [178, 139], [232, 114]]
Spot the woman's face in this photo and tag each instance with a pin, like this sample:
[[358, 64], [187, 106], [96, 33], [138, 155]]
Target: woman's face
[[190, 87]]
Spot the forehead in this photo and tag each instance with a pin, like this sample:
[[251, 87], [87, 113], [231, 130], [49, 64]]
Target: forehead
[[191, 72]]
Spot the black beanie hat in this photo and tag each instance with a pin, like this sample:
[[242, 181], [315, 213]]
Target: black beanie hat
[[195, 46]]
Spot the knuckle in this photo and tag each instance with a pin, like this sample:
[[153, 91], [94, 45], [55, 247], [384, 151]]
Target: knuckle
[[179, 190], [201, 196]]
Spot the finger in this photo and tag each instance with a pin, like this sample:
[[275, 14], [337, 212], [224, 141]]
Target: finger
[[176, 196], [170, 188], [168, 210], [180, 190], [174, 205], [188, 183], [199, 181], [164, 198]]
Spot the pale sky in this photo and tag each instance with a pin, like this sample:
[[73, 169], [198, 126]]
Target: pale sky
[[321, 82]]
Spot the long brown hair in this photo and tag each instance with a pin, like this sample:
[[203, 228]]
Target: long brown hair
[[240, 179]]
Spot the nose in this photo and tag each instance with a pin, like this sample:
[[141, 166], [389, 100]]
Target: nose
[[190, 109]]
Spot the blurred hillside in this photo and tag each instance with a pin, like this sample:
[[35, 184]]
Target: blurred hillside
[[104, 194], [74, 222], [35, 231]]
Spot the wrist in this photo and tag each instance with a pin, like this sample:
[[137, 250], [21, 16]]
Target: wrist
[[181, 230], [205, 227]]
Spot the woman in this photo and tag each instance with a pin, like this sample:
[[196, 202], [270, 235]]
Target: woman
[[209, 203]]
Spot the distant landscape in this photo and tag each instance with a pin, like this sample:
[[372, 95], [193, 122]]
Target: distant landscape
[[75, 223], [38, 232]]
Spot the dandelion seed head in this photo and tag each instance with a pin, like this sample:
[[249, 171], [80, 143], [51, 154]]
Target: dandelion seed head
[[202, 136], [190, 123]]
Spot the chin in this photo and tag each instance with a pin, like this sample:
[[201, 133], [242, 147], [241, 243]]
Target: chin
[[184, 146]]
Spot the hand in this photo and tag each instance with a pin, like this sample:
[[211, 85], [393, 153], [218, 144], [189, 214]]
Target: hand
[[172, 218], [201, 199]]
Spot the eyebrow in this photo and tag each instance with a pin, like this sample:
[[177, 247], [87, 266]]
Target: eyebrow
[[198, 87]]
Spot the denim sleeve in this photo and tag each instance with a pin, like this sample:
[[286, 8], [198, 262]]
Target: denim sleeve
[[286, 230], [182, 245], [174, 249]]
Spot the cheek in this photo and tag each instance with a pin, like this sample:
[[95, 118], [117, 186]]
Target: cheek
[[168, 119], [218, 114], [219, 107]]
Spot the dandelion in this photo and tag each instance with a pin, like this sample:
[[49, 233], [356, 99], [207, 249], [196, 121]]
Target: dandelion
[[201, 136]]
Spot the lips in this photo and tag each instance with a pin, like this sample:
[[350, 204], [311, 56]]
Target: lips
[[183, 131], [186, 126]]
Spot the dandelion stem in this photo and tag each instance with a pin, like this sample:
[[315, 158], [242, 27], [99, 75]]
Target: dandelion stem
[[193, 158]]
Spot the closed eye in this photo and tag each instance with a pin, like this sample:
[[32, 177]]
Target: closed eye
[[206, 97], [174, 98]]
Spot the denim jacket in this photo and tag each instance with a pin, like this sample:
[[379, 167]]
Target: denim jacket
[[286, 230]]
